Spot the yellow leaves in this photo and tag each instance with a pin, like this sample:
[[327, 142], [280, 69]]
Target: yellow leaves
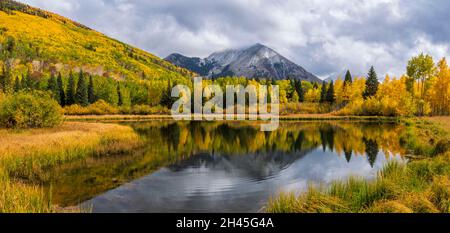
[[312, 95], [438, 94], [283, 96], [350, 91], [61, 41], [392, 99]]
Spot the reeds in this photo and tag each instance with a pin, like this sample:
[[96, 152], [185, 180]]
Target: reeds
[[24, 155], [421, 186]]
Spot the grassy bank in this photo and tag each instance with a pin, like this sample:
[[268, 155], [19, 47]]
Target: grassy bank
[[422, 185], [24, 155]]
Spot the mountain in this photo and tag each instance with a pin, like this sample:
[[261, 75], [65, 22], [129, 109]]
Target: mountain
[[46, 42], [256, 61]]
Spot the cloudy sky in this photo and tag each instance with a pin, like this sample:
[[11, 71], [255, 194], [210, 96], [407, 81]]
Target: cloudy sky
[[325, 37]]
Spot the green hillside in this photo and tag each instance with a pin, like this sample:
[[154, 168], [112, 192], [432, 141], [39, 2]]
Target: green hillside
[[40, 43]]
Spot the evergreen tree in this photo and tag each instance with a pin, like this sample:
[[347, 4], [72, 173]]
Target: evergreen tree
[[330, 93], [371, 150], [323, 93], [348, 78], [291, 90], [348, 154], [81, 95], [28, 82], [3, 80], [300, 92], [71, 90], [119, 95], [17, 85], [51, 86], [166, 99], [371, 84], [91, 94], [60, 88]]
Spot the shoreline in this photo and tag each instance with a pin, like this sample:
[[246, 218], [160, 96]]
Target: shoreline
[[26, 154], [414, 187], [291, 117]]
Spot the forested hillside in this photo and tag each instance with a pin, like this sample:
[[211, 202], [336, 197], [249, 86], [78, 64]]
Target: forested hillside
[[36, 44]]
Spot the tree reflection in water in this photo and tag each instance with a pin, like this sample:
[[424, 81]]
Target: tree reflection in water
[[238, 149]]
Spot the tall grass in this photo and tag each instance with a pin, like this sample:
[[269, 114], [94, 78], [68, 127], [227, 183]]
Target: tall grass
[[421, 186], [24, 155]]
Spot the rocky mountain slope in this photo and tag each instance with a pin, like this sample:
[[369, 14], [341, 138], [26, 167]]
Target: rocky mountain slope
[[256, 61]]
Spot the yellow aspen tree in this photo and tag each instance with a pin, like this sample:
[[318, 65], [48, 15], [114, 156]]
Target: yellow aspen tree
[[439, 94]]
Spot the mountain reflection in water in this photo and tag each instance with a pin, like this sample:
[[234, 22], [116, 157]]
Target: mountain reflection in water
[[226, 166]]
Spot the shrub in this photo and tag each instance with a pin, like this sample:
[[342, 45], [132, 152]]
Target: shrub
[[76, 109], [353, 108], [29, 110], [304, 108], [147, 110], [100, 107]]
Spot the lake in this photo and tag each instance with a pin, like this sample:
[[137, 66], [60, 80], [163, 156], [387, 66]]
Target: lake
[[193, 166]]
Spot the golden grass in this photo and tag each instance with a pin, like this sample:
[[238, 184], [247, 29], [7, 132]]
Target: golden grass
[[68, 136], [421, 186], [25, 154], [443, 121]]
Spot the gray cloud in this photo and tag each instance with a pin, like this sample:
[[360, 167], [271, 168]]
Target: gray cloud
[[324, 37]]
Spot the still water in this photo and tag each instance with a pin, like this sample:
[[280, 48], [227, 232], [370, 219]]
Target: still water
[[224, 166]]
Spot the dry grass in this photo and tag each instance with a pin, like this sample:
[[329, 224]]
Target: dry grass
[[443, 121], [24, 155]]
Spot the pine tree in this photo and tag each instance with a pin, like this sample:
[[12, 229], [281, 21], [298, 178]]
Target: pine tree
[[348, 154], [71, 90], [51, 86], [60, 88], [371, 84], [348, 78], [119, 95], [28, 82], [81, 95], [91, 94], [371, 150], [330, 93], [17, 85], [300, 92], [166, 99], [3, 80], [323, 93]]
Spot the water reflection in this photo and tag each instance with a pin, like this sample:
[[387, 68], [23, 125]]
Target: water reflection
[[225, 166]]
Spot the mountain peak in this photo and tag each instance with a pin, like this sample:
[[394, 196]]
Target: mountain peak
[[255, 61], [259, 45]]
